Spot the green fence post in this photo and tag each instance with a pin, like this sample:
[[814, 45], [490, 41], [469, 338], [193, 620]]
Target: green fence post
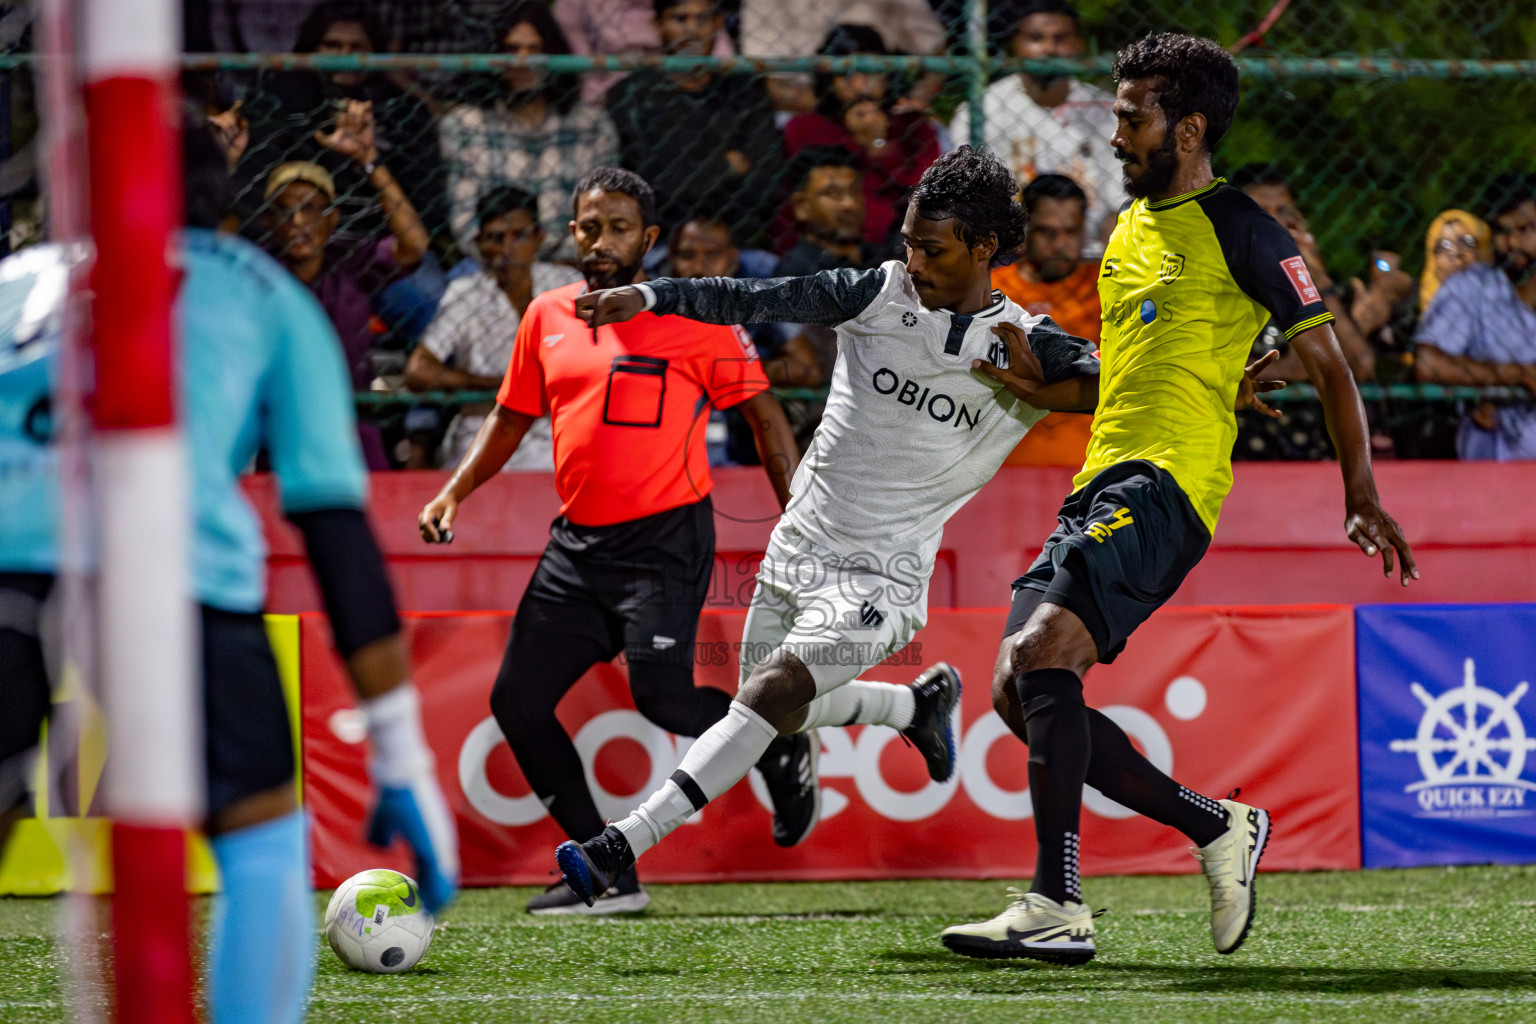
[[976, 82]]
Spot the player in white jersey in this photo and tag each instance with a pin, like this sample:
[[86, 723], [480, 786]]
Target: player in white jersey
[[918, 419]]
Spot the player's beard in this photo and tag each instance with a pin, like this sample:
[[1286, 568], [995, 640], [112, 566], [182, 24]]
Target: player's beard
[[1162, 165], [624, 274]]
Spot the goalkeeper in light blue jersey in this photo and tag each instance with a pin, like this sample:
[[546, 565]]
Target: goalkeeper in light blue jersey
[[261, 370]]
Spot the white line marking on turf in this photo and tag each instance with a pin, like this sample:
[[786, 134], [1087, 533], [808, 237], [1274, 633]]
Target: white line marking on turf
[[1247, 998]]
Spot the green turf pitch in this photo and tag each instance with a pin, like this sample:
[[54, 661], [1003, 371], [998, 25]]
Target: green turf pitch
[[1434, 945]]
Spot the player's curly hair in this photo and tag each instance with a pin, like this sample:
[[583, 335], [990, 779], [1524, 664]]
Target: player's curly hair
[[978, 191], [1194, 76]]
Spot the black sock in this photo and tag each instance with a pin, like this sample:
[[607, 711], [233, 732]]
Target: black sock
[[1119, 771], [1056, 728], [538, 669]]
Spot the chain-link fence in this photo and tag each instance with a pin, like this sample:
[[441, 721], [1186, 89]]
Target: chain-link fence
[[376, 177]]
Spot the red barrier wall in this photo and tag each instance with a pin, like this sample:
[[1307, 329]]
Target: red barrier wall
[[1280, 539], [1261, 698]]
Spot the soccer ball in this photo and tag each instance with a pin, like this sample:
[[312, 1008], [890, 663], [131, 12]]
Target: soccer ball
[[376, 922]]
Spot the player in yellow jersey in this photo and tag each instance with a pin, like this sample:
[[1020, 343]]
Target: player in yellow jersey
[[1192, 273]]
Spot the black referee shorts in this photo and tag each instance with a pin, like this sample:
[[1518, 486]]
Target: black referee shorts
[[248, 740], [1121, 547], [636, 586]]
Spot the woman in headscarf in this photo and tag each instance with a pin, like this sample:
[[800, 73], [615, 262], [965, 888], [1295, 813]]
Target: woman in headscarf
[[1455, 240]]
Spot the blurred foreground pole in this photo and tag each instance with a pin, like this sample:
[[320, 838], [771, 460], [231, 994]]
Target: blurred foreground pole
[[128, 58]]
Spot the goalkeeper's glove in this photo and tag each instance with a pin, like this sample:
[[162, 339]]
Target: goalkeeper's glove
[[411, 804]]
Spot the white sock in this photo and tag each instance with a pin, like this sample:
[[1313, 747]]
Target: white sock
[[717, 761], [400, 751], [863, 703]]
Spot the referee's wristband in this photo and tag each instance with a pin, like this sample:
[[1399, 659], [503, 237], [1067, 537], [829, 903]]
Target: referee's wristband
[[648, 293]]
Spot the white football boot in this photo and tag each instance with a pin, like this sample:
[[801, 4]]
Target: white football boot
[[1033, 926], [1229, 864]]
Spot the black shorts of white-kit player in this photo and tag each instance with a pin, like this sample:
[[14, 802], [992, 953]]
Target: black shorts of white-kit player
[[1122, 546]]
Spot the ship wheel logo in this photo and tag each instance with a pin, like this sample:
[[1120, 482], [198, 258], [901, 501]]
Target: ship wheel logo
[[1470, 735]]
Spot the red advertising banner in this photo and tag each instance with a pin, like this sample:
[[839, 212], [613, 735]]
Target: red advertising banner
[[1261, 698]]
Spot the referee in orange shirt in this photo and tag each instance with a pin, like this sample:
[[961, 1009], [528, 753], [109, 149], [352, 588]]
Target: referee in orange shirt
[[630, 556]]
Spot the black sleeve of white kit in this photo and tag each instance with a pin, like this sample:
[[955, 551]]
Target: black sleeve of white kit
[[828, 298], [1061, 355]]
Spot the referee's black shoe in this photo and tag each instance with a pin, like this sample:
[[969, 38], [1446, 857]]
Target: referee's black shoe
[[932, 731], [788, 768], [591, 868]]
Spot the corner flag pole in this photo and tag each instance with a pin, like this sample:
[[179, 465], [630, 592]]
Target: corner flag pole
[[129, 56]]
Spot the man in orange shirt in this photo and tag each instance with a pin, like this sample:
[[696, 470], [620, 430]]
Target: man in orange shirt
[[631, 554], [1050, 280]]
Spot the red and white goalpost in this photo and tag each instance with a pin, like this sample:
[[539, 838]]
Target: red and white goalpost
[[125, 55]]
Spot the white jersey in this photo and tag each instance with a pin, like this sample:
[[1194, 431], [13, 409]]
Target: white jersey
[[910, 431]]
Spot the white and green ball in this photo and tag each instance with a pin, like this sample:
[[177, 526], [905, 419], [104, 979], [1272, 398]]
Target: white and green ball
[[376, 922]]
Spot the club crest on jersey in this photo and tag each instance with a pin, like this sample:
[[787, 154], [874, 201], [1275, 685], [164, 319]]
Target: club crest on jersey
[[908, 319], [1173, 266], [940, 408], [997, 353]]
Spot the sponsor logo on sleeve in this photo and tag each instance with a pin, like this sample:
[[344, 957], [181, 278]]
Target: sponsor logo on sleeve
[[1296, 269], [748, 348]]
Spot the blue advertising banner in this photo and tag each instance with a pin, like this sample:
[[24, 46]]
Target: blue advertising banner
[[1447, 734]]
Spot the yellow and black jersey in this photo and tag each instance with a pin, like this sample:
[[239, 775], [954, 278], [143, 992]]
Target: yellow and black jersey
[[1186, 284]]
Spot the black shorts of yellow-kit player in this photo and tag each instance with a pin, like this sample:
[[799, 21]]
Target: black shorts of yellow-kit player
[[1122, 545]]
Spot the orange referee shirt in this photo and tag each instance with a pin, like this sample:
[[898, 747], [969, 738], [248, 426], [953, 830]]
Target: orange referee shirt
[[628, 412], [1061, 439]]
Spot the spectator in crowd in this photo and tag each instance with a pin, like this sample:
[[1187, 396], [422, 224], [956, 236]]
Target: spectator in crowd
[[1268, 186], [1455, 240], [1050, 278], [301, 219], [536, 136], [703, 246], [598, 27], [468, 344], [292, 112], [830, 213], [704, 141], [856, 111], [1053, 124], [1481, 329], [796, 28], [209, 100], [828, 205]]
